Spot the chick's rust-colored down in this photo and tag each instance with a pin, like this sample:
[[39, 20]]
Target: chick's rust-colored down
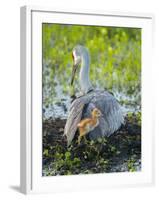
[[88, 124]]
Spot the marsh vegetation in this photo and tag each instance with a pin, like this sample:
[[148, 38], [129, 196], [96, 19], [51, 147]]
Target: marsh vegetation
[[115, 66]]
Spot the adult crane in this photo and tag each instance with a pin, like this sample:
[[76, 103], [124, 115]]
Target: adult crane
[[112, 116]]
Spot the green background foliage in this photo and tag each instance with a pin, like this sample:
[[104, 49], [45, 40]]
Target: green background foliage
[[115, 54], [115, 57]]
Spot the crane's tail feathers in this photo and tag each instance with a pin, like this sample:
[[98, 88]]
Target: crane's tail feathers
[[73, 119]]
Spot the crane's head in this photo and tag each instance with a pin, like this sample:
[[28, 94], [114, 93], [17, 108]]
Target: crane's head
[[77, 54]]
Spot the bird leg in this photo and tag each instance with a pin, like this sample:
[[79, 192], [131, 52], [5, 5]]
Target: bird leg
[[79, 139], [85, 139]]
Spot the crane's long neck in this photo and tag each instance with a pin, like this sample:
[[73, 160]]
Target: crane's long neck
[[85, 83]]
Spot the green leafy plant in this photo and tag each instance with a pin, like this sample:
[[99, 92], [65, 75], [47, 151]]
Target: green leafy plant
[[115, 52], [130, 164]]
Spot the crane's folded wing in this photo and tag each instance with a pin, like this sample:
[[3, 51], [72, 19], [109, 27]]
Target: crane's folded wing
[[75, 115]]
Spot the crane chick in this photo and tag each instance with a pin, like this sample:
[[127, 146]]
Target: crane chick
[[88, 124]]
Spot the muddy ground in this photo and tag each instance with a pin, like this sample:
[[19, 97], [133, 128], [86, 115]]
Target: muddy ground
[[119, 153]]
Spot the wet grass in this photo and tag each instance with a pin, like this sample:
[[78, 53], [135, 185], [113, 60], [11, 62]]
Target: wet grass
[[115, 66], [119, 153], [115, 54]]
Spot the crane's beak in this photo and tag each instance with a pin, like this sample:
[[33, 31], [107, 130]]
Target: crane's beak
[[73, 73]]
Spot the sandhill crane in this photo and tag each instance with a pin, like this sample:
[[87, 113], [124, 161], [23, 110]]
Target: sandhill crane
[[81, 108]]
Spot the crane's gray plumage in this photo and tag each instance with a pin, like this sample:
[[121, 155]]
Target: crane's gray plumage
[[109, 122], [112, 116]]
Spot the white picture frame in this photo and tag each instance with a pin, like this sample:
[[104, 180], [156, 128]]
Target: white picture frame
[[31, 90]]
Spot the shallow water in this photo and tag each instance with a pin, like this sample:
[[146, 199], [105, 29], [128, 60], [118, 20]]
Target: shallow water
[[59, 106], [57, 91]]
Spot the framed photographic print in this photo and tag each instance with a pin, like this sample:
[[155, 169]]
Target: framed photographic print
[[86, 100]]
